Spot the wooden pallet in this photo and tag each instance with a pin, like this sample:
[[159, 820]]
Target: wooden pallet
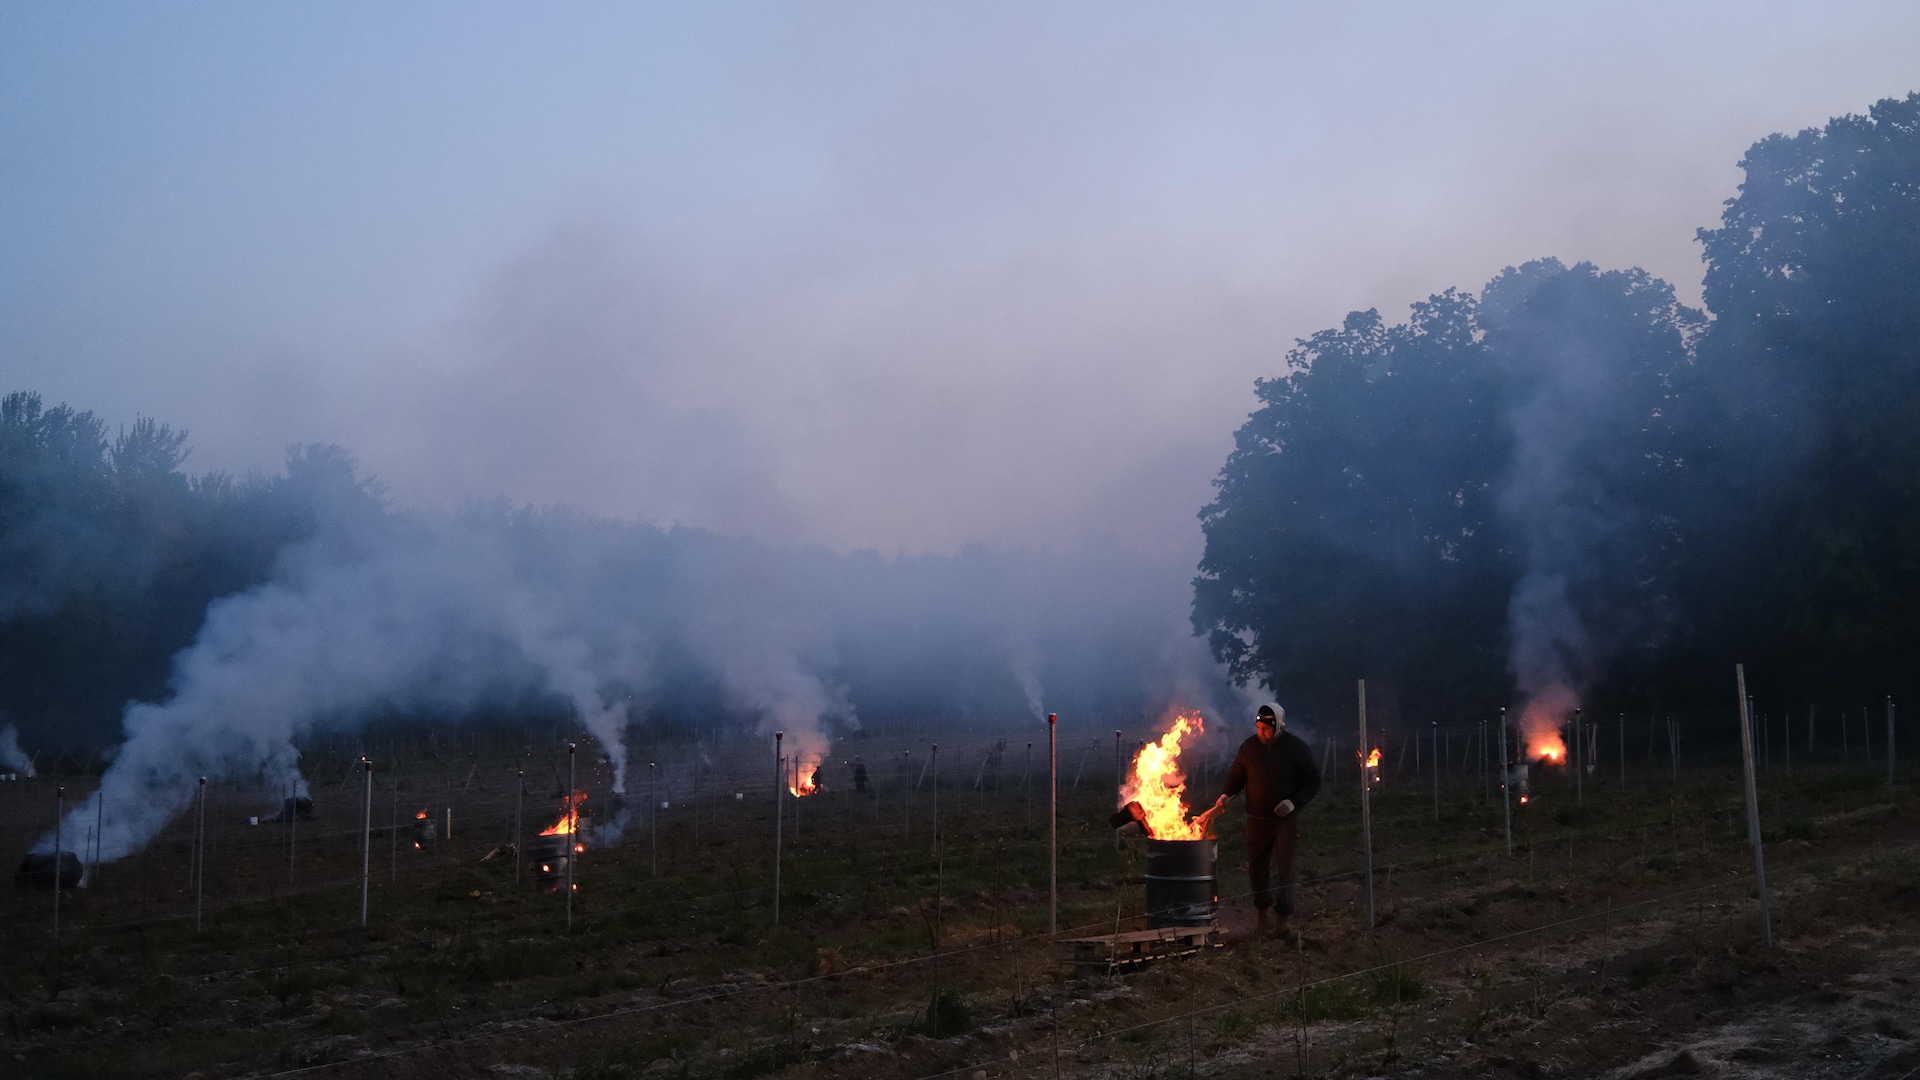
[[1134, 949]]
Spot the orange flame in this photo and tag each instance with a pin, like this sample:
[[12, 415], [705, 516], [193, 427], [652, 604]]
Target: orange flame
[[1373, 759], [1547, 747], [1156, 783], [1541, 720], [800, 784], [570, 821]]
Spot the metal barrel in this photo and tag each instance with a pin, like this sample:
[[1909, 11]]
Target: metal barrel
[[550, 855], [38, 870], [1181, 886]]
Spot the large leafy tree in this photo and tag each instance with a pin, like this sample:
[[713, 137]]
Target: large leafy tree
[[1399, 484], [1681, 493], [1811, 556], [1356, 517]]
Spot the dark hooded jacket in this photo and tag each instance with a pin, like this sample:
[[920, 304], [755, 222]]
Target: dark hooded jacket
[[1271, 774]]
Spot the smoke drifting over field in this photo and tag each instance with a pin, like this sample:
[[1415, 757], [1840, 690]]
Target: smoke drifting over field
[[496, 610], [10, 753]]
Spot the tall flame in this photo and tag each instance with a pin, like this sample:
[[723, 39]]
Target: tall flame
[[1156, 783], [1373, 759], [569, 822]]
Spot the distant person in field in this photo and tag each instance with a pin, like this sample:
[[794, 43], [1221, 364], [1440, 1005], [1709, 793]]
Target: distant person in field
[[1277, 772], [859, 776]]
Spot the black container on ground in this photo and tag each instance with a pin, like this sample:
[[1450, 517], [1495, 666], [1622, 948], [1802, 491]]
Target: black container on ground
[[37, 871], [1181, 886], [550, 854]]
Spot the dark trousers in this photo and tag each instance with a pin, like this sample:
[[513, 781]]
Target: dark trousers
[[1271, 843]]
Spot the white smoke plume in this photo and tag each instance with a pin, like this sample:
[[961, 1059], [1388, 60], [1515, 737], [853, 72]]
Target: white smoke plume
[[1550, 644], [1024, 665], [440, 619], [1556, 514], [11, 755], [1590, 359]]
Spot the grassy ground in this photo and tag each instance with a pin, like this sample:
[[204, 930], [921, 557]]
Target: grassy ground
[[1620, 935]]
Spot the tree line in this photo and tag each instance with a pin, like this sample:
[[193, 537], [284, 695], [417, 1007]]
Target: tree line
[[1571, 468], [110, 554]]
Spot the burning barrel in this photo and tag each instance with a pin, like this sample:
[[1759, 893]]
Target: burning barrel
[[1180, 882], [556, 847], [551, 853]]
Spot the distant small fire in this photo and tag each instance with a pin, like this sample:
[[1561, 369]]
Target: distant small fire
[[802, 782], [1373, 759], [1540, 723], [1157, 784]]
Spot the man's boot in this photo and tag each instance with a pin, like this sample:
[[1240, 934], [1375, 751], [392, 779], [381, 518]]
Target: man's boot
[[1263, 923], [1284, 933]]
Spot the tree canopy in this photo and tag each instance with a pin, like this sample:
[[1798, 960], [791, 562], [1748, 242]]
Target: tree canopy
[[1572, 477]]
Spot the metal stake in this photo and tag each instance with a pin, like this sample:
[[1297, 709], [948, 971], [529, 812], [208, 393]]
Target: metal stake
[[1436, 769], [1753, 805], [1053, 825], [1506, 793], [1889, 740], [519, 799], [366, 839], [933, 763], [653, 817], [200, 862], [1366, 801], [59, 814], [779, 816], [1486, 792], [573, 827], [1578, 759]]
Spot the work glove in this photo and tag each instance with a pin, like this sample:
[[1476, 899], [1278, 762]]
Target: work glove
[[1285, 808]]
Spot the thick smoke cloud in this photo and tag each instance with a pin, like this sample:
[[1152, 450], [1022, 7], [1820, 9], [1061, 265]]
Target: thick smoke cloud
[[495, 609]]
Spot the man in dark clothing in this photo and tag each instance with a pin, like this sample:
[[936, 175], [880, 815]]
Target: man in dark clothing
[[1278, 773]]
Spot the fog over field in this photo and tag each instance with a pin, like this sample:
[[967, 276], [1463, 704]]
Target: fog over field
[[746, 368]]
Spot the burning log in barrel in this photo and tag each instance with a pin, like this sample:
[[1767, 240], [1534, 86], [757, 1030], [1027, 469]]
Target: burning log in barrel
[[1131, 814]]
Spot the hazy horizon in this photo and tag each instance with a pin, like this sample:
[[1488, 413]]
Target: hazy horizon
[[859, 276]]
